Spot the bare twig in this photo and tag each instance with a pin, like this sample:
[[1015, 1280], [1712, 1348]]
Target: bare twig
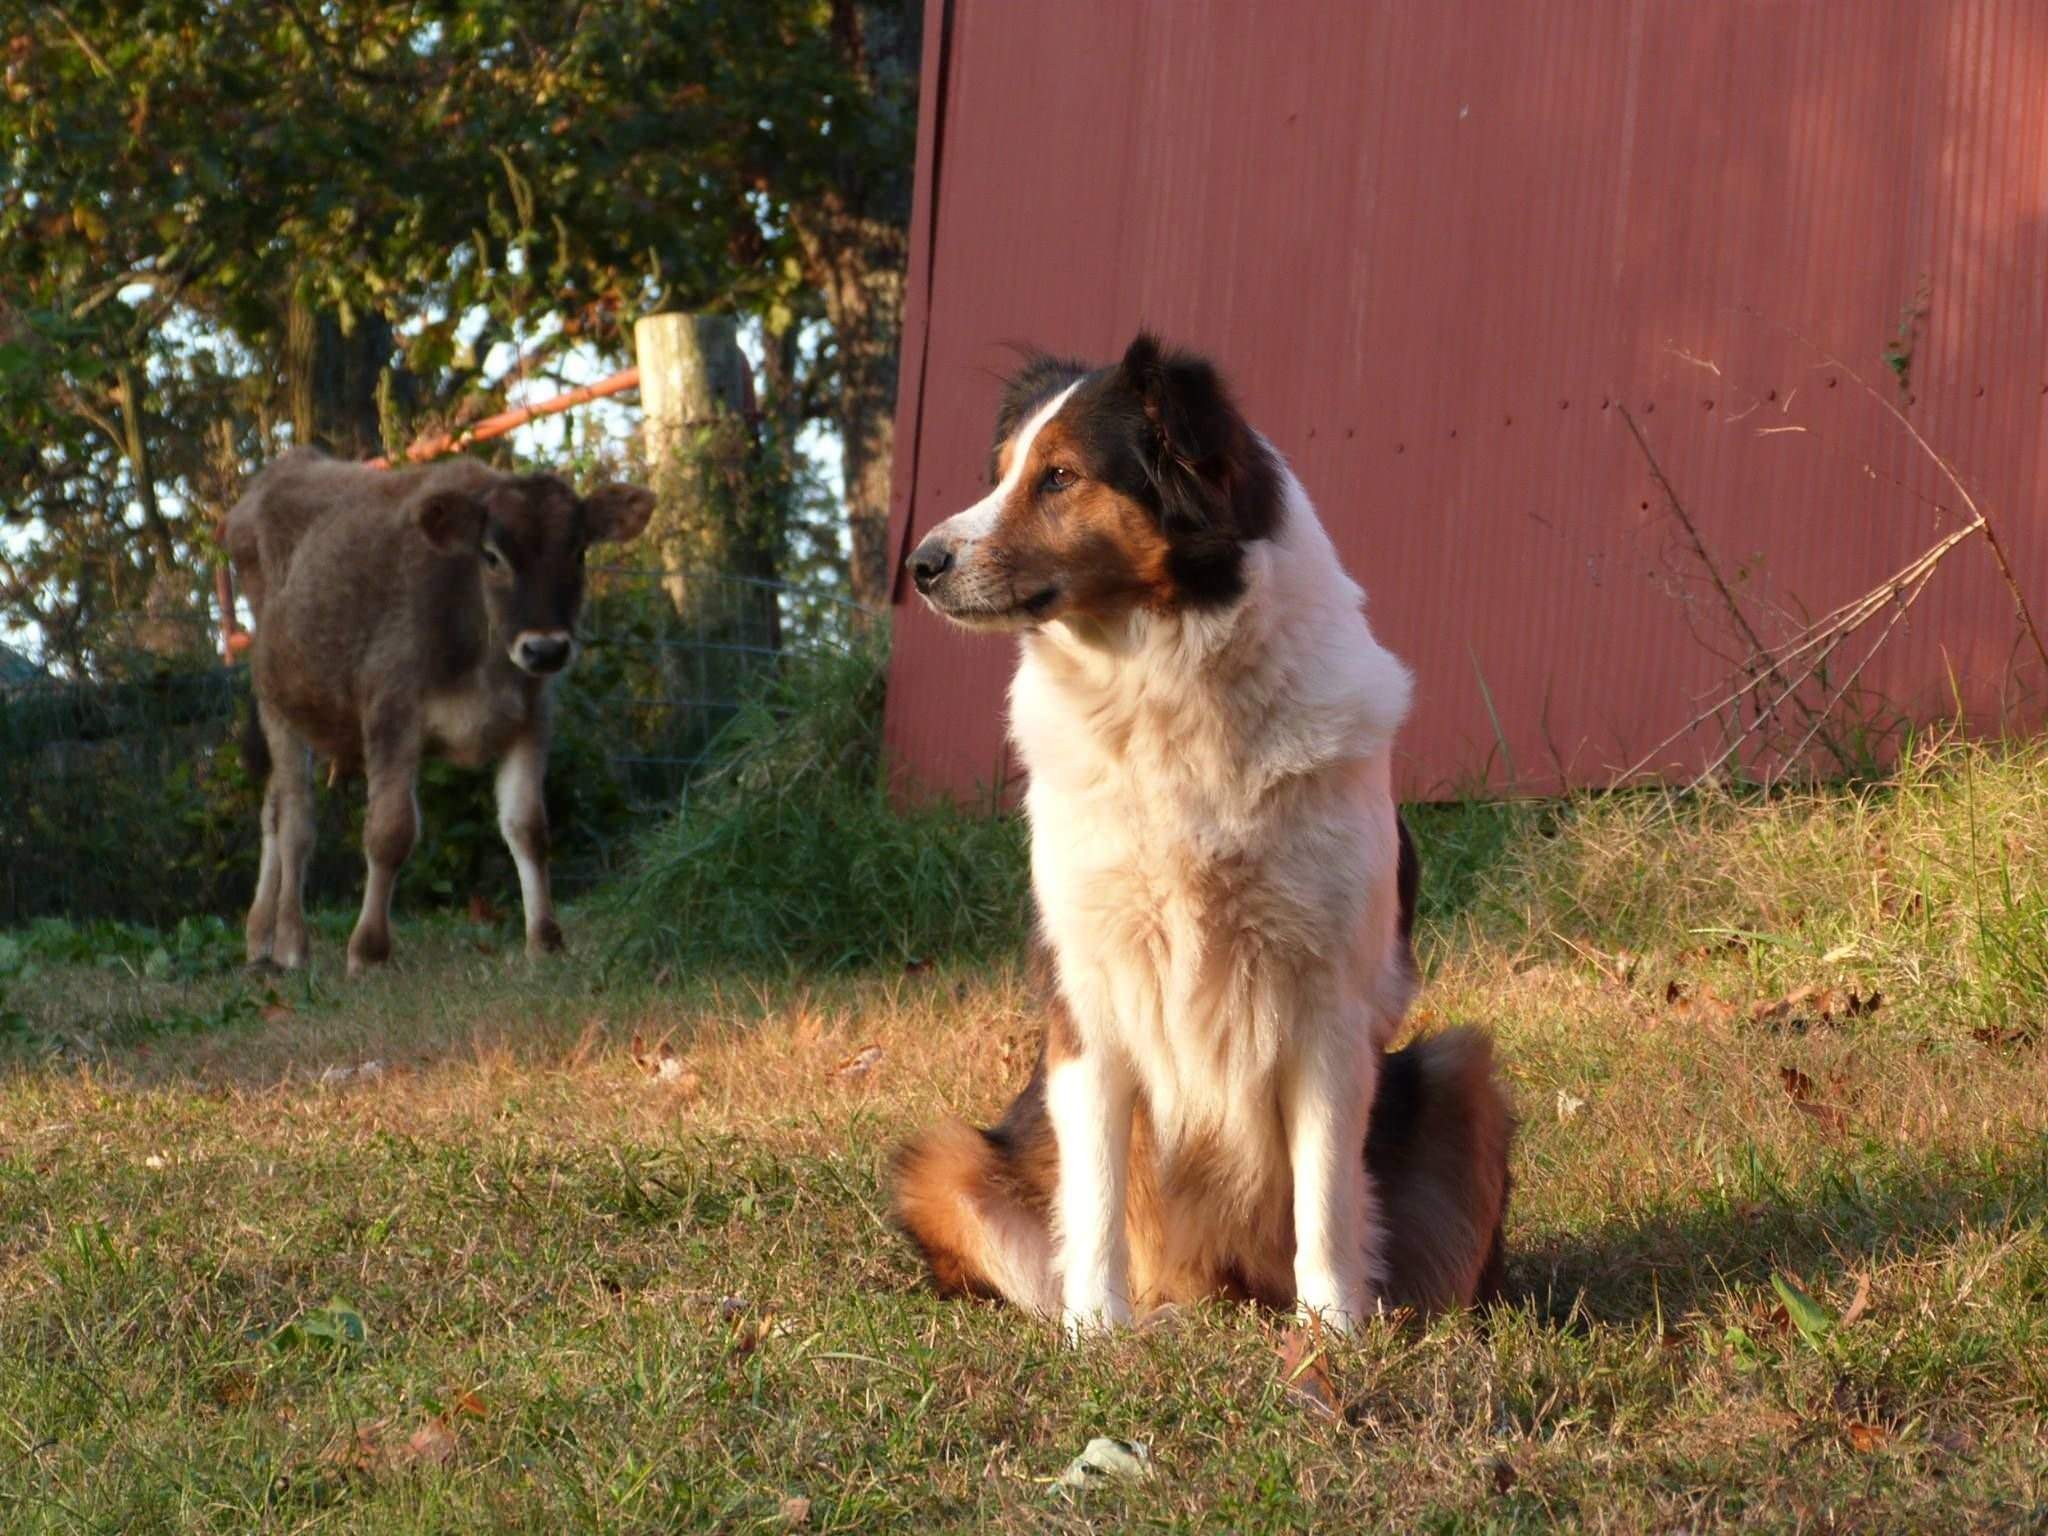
[[1825, 634], [1948, 471]]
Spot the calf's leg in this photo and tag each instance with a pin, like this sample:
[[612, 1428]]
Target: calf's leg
[[391, 827], [523, 819], [276, 929]]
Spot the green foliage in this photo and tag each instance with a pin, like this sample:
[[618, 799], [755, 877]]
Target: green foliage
[[217, 221], [792, 852]]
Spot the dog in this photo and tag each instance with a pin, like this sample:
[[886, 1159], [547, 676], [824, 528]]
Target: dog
[[1223, 886]]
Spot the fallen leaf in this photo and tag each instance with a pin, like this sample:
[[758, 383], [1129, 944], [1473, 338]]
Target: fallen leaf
[[341, 1077], [1105, 1460], [1840, 953], [1689, 1002], [155, 1160], [661, 1063], [1568, 1105], [466, 1404], [2005, 1036], [431, 1445], [1859, 1304], [795, 1511], [232, 1389], [1829, 1117], [860, 1063], [1797, 1084], [1303, 1373], [1807, 1315], [1865, 1438]]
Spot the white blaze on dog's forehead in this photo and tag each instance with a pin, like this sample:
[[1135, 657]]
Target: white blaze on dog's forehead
[[981, 517]]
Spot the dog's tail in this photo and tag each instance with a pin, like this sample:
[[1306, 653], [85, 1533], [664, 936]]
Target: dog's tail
[[1438, 1154], [977, 1235]]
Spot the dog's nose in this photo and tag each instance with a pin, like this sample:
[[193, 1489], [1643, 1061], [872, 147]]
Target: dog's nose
[[928, 562], [544, 653]]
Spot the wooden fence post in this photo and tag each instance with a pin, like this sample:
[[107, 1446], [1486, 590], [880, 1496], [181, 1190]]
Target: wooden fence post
[[715, 530]]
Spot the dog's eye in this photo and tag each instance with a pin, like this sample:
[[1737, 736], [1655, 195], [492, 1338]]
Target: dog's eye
[[1057, 478]]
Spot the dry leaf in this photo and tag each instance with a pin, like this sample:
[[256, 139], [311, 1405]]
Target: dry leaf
[[1105, 1460], [1830, 1117], [1703, 1003], [1865, 1438], [1568, 1105], [341, 1077], [466, 1404], [431, 1445], [1797, 1084], [860, 1063], [1303, 1374], [1859, 1304], [661, 1063], [232, 1389], [795, 1511]]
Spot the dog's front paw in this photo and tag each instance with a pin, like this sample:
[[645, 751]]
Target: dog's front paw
[[1091, 1320], [1325, 1303]]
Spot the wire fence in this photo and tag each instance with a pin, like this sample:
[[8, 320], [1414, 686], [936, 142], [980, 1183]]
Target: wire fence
[[127, 797]]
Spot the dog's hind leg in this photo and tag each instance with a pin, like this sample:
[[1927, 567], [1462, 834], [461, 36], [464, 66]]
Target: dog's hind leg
[[957, 1197]]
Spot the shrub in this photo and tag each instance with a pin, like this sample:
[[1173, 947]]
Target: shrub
[[792, 852]]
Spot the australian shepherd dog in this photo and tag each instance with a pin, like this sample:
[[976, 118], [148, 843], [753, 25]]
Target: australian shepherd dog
[[1224, 890]]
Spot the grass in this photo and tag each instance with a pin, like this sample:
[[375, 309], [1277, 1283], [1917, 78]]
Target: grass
[[1776, 1256]]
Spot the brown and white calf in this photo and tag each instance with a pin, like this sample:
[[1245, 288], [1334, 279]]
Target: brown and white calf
[[401, 612]]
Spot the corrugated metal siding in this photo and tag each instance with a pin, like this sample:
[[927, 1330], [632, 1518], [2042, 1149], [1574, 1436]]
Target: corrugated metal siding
[[1439, 246]]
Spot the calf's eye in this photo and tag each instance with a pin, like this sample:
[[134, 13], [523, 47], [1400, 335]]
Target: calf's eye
[[492, 559]]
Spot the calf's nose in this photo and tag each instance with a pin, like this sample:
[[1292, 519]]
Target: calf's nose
[[543, 653], [928, 562]]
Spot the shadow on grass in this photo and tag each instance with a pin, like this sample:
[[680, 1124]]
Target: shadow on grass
[[1682, 1259]]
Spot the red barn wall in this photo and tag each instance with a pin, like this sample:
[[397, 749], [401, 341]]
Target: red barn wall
[[1439, 247]]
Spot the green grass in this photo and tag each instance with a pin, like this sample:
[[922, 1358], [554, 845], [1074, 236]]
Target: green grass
[[791, 854], [590, 1298]]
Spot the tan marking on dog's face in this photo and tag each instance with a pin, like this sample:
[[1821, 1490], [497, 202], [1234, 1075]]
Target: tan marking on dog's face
[[1051, 540]]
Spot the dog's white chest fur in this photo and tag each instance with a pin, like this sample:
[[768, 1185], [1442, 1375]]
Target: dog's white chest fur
[[1213, 837]]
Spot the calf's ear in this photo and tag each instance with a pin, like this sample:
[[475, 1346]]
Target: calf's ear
[[613, 514], [453, 521]]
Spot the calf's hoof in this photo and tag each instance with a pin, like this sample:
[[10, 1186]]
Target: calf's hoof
[[366, 954]]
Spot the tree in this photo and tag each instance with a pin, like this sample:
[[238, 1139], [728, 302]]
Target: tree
[[318, 221]]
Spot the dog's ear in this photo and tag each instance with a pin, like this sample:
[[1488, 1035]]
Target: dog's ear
[[1198, 438]]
